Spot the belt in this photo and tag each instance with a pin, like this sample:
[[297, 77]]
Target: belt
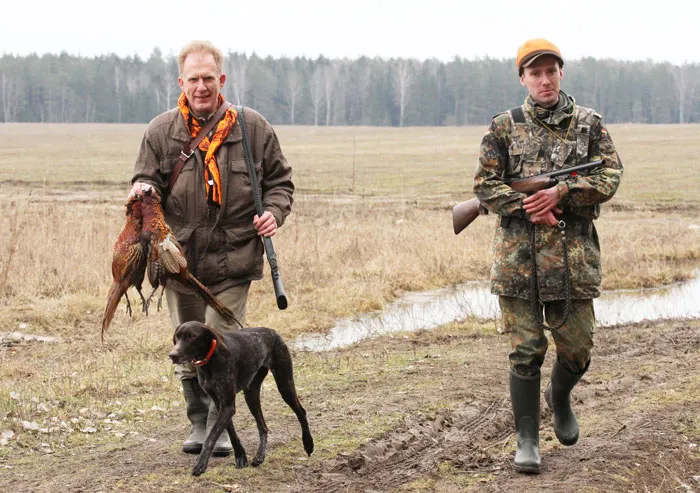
[[571, 220]]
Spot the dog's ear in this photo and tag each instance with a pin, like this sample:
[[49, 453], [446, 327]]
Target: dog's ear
[[216, 335]]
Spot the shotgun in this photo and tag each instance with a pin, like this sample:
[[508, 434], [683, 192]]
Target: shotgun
[[465, 212], [280, 296]]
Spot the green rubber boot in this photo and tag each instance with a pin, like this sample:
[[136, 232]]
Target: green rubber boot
[[222, 447], [197, 410], [557, 394], [525, 398]]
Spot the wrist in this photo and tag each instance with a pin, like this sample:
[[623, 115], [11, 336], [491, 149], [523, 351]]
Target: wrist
[[563, 189]]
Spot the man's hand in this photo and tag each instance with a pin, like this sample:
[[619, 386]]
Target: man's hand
[[137, 189], [266, 225], [547, 218], [542, 206], [542, 201]]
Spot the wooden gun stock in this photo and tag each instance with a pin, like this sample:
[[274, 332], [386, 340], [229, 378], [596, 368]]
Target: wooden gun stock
[[464, 213]]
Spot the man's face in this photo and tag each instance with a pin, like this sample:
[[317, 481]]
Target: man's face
[[201, 82], [542, 79]]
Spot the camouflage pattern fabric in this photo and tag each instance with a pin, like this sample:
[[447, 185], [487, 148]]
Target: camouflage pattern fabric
[[512, 150], [574, 340]]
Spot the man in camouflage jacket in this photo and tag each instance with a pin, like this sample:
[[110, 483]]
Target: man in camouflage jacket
[[546, 262]]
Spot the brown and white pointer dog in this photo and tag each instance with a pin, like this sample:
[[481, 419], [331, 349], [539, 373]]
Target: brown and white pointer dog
[[233, 361]]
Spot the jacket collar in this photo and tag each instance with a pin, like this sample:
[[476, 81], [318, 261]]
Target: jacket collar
[[180, 132]]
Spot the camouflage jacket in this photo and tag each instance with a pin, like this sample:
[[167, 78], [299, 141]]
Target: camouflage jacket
[[517, 149]]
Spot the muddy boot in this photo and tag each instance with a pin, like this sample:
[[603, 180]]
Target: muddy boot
[[525, 398], [222, 447], [197, 410], [557, 396]]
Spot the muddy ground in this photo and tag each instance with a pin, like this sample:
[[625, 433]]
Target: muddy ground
[[451, 427]]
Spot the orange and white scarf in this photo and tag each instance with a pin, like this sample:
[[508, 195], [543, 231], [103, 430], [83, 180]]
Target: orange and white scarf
[[212, 178]]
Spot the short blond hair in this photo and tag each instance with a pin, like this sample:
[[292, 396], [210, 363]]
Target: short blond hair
[[201, 47]]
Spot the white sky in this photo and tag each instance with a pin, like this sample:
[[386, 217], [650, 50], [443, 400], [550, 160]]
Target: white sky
[[662, 31]]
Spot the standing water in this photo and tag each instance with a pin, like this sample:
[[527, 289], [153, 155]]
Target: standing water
[[426, 310]]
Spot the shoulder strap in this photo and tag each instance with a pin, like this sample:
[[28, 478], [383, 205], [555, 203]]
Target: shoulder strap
[[189, 148], [517, 114]]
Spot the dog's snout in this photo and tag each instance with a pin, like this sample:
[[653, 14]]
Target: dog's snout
[[175, 355]]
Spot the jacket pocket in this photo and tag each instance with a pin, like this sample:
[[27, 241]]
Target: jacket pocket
[[180, 198], [583, 139], [244, 251], [240, 175], [515, 159], [240, 207]]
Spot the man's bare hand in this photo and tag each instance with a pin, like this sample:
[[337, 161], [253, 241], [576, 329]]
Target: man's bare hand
[[542, 201], [547, 218], [266, 225], [137, 189]]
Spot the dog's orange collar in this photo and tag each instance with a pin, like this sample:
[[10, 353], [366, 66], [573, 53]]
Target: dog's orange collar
[[204, 361]]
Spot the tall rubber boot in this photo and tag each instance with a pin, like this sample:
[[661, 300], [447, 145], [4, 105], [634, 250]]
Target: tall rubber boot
[[222, 447], [557, 394], [197, 410], [525, 398]]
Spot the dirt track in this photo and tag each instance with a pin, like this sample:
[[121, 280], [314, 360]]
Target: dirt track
[[639, 407]]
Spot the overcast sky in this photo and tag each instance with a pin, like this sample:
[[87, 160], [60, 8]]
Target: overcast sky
[[664, 31]]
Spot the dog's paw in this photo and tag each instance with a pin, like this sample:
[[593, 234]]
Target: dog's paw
[[257, 460], [241, 461], [308, 443], [198, 469]]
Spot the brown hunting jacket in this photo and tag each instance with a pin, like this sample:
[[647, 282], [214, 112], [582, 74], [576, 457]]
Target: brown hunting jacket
[[221, 244], [513, 149]]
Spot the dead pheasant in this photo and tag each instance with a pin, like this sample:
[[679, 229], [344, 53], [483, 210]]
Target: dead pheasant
[[166, 259], [128, 263]]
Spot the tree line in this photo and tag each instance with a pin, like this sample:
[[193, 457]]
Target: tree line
[[322, 91]]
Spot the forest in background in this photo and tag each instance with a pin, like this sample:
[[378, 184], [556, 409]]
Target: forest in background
[[365, 91]]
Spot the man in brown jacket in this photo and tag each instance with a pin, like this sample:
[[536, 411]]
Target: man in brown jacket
[[210, 206]]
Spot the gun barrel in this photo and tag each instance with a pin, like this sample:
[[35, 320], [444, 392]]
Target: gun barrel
[[561, 171]]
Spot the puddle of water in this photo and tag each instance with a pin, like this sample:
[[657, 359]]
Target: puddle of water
[[430, 309]]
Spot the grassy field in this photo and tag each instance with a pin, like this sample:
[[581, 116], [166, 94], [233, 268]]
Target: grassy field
[[371, 217], [371, 220]]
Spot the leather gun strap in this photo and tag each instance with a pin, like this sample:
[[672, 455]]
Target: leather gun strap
[[192, 144]]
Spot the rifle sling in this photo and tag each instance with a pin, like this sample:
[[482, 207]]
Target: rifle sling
[[190, 147]]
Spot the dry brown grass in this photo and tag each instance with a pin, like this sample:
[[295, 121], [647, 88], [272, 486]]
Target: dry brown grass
[[341, 252]]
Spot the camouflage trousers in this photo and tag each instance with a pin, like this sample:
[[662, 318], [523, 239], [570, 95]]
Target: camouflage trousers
[[186, 307], [573, 340]]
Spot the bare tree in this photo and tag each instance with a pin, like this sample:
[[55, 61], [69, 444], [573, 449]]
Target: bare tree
[[317, 82], [402, 79], [363, 84], [237, 68], [9, 97], [330, 78], [292, 86], [685, 85], [118, 77]]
